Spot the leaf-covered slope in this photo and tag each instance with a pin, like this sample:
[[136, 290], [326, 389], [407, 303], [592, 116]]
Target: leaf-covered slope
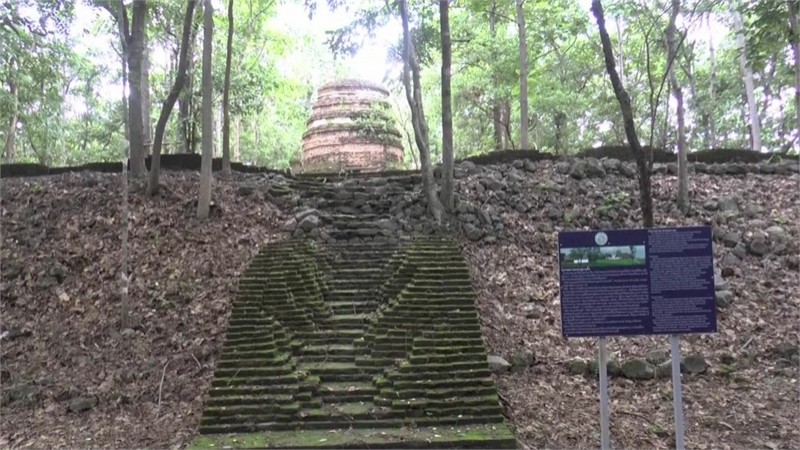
[[748, 399], [60, 254], [60, 341]]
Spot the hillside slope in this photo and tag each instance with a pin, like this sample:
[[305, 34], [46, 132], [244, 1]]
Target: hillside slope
[[63, 348]]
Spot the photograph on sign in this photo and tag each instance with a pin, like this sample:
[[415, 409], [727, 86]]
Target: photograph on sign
[[600, 257], [636, 282]]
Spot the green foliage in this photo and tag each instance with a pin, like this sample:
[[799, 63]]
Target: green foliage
[[69, 106]]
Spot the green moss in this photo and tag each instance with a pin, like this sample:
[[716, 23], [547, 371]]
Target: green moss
[[493, 436]]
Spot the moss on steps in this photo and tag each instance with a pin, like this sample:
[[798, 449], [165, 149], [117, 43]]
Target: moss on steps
[[410, 438], [356, 336]]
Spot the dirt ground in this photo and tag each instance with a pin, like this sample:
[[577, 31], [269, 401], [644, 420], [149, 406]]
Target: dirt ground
[[63, 344]]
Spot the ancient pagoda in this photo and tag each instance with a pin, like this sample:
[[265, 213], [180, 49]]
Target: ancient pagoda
[[351, 128]]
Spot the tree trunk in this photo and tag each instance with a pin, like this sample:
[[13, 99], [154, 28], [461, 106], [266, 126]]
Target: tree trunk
[[795, 44], [10, 149], [624, 100], [185, 116], [169, 103], [217, 132], [701, 108], [147, 134], [672, 51], [712, 99], [505, 117], [255, 129], [747, 76], [135, 114], [125, 304], [414, 96], [204, 199], [497, 113], [767, 78], [122, 25], [523, 77], [447, 108], [226, 108], [662, 141], [621, 52], [559, 121], [237, 153]]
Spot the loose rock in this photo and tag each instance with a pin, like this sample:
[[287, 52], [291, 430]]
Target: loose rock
[[578, 367], [521, 361], [656, 357], [723, 298], [638, 369], [694, 364], [758, 247], [664, 370], [497, 364], [81, 404]]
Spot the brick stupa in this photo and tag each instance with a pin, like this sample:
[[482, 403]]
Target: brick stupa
[[351, 128]]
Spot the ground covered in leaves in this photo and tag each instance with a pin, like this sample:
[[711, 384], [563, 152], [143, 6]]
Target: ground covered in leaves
[[73, 375], [747, 399], [64, 348]]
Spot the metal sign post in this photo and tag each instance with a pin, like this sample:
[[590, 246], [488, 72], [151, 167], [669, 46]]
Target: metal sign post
[[677, 400], [605, 434]]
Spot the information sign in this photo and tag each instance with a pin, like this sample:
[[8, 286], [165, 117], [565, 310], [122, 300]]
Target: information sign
[[637, 282]]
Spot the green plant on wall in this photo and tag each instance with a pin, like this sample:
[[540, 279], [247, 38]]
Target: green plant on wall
[[376, 122]]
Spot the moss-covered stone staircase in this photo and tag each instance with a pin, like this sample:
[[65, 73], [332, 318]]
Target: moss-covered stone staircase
[[354, 345]]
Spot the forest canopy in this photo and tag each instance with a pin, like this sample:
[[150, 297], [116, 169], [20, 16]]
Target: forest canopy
[[64, 95]]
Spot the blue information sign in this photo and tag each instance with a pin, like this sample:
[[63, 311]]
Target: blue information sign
[[637, 282]]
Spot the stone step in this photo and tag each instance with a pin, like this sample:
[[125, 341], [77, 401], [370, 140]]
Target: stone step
[[220, 381], [254, 371], [221, 401], [330, 368], [340, 320], [417, 359], [332, 349], [327, 358], [372, 362], [234, 355], [278, 423], [250, 346], [345, 390], [403, 385], [330, 337], [344, 377], [242, 363], [390, 354], [421, 373], [353, 307], [252, 391], [250, 410]]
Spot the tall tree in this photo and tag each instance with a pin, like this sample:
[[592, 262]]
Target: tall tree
[[712, 56], [147, 104], [186, 136], [172, 97], [672, 52], [226, 107], [413, 89], [794, 40], [497, 112], [204, 198], [747, 77], [10, 149], [135, 44], [645, 194], [447, 107], [523, 76]]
